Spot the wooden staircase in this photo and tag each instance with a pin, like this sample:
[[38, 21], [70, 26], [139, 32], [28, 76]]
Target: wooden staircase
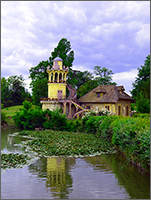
[[72, 92], [72, 98]]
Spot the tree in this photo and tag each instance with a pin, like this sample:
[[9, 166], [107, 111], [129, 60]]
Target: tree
[[40, 89], [141, 87], [63, 50], [78, 78], [13, 91], [104, 77], [142, 103], [5, 93], [142, 82], [87, 87], [17, 89]]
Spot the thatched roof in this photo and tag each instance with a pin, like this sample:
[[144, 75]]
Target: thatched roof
[[111, 94]]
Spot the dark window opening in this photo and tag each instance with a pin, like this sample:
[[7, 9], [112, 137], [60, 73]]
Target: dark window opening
[[107, 107]]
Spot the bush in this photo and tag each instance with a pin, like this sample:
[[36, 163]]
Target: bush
[[27, 105], [75, 125], [92, 124], [132, 136], [29, 119], [105, 129], [55, 121], [3, 117]]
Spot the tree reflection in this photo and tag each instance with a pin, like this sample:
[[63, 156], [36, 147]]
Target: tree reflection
[[55, 170], [132, 178]]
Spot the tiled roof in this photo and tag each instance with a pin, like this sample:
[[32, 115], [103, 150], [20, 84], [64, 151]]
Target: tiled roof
[[111, 95]]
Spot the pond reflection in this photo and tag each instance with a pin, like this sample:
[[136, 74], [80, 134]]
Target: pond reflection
[[56, 170], [98, 177]]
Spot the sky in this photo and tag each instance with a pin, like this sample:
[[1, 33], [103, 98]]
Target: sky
[[111, 34]]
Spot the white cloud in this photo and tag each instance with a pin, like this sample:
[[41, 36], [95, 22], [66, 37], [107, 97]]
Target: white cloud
[[114, 34], [126, 79]]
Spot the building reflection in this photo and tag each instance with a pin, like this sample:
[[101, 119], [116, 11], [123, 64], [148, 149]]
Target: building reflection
[[56, 171], [56, 175]]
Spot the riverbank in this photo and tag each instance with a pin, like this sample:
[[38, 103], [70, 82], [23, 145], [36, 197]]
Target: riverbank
[[131, 135]]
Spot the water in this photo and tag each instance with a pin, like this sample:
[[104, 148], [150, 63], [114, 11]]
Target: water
[[99, 177]]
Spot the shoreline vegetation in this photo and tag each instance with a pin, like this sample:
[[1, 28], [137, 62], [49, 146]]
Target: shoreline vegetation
[[89, 135]]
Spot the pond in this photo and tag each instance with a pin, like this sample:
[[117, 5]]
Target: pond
[[99, 177]]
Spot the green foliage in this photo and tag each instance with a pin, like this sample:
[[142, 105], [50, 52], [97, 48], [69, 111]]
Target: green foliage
[[13, 160], [55, 121], [142, 103], [103, 75], [59, 143], [3, 117], [75, 125], [141, 87], [87, 87], [39, 75], [92, 124], [13, 91], [39, 90], [105, 129], [27, 105], [132, 136], [29, 118], [146, 115], [78, 78]]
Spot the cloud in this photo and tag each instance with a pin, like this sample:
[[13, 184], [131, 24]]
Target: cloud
[[126, 79], [113, 34]]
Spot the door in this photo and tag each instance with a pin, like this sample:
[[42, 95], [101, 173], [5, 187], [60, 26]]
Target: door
[[59, 94]]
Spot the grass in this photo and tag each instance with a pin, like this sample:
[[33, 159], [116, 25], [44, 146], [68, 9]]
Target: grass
[[10, 111]]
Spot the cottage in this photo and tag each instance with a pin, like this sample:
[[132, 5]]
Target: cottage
[[111, 97]]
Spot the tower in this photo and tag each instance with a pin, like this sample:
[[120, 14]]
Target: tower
[[57, 80], [56, 85]]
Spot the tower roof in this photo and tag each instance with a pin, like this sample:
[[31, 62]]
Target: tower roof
[[57, 59]]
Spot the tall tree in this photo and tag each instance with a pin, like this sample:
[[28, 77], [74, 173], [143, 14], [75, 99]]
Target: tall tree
[[142, 82], [104, 76], [17, 89], [13, 91], [63, 50], [78, 78], [87, 87], [5, 93]]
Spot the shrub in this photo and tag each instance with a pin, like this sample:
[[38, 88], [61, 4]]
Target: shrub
[[3, 117], [132, 136], [75, 125], [92, 124], [105, 129], [57, 121], [27, 105]]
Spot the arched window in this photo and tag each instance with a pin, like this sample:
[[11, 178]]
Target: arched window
[[60, 77], [56, 77]]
